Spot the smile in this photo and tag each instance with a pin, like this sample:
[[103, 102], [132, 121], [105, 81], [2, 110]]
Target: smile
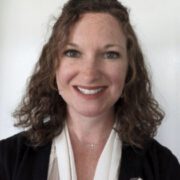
[[89, 91]]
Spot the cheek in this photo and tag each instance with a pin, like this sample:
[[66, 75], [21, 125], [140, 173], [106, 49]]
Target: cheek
[[118, 77], [64, 75]]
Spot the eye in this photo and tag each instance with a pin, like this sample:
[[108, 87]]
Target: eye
[[72, 53], [111, 55]]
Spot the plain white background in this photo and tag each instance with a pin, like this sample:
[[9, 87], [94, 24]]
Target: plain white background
[[25, 26]]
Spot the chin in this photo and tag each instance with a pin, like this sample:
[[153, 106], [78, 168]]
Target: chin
[[92, 113]]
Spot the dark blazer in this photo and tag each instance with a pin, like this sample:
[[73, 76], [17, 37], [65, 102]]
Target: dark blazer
[[20, 161]]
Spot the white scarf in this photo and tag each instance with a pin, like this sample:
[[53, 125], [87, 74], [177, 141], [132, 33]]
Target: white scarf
[[62, 164]]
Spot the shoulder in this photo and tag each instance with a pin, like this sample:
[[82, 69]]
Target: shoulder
[[9, 152], [18, 155], [19, 143], [13, 141], [154, 161], [162, 159], [11, 145], [154, 148]]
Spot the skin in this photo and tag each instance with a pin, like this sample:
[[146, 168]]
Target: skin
[[94, 57]]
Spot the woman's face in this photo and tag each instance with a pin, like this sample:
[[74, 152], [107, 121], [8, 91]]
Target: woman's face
[[93, 65]]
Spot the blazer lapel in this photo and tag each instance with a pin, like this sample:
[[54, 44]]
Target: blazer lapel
[[131, 164], [34, 165]]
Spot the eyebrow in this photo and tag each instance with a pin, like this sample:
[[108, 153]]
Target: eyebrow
[[114, 45], [72, 44], [105, 47]]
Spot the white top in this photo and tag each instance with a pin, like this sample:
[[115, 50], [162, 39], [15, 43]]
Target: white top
[[62, 164]]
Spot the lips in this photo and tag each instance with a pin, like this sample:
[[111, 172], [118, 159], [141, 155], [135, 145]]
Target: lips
[[90, 90]]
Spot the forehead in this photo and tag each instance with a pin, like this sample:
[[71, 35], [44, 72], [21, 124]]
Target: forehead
[[97, 19], [97, 26]]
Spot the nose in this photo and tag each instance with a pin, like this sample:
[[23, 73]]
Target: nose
[[90, 70]]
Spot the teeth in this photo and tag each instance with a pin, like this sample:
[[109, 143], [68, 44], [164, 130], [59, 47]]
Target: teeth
[[89, 91]]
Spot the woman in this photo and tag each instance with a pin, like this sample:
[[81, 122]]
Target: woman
[[89, 110]]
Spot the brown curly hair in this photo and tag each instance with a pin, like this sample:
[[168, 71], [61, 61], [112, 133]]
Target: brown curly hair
[[43, 111]]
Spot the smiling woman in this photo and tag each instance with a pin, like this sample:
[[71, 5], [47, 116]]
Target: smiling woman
[[91, 70], [89, 110]]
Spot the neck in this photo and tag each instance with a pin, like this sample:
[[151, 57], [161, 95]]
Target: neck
[[90, 129]]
